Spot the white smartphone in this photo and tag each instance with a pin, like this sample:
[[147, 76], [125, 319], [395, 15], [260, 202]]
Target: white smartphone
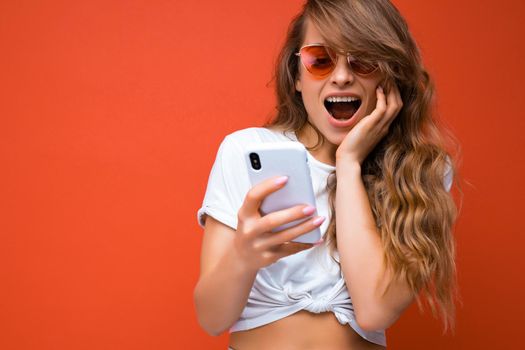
[[265, 160]]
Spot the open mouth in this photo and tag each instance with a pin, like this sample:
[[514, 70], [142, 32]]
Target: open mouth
[[342, 108]]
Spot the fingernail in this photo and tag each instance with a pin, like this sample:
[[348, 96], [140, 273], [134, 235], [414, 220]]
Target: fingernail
[[281, 180], [380, 88], [309, 210], [318, 221]]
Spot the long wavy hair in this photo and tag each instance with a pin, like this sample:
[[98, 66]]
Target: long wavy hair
[[404, 174]]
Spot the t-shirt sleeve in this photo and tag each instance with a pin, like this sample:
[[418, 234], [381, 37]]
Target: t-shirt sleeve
[[227, 186]]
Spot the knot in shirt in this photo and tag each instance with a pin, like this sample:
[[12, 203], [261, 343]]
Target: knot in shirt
[[320, 305], [317, 305]]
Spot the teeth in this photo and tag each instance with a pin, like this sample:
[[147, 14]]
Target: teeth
[[341, 99]]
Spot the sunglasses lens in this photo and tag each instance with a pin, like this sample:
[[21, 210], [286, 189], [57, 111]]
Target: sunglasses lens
[[317, 60], [361, 67]]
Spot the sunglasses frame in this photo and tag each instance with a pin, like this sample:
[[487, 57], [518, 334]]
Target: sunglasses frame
[[349, 59]]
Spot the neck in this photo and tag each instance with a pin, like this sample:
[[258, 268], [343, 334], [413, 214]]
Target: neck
[[324, 153]]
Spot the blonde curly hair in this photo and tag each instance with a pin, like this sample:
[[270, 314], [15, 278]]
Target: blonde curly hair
[[403, 175]]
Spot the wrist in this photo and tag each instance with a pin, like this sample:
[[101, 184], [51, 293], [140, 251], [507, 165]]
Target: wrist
[[241, 262], [347, 164]]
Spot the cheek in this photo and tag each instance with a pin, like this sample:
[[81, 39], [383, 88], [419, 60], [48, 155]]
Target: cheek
[[310, 94], [308, 102], [370, 87], [371, 105]]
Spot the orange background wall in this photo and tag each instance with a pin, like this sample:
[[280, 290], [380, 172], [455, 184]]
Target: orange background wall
[[111, 114]]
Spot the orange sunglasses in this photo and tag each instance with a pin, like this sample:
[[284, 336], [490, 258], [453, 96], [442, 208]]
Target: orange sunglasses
[[320, 60]]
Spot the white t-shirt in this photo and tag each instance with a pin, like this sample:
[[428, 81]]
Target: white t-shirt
[[309, 280]]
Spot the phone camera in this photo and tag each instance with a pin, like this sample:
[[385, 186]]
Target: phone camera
[[255, 161]]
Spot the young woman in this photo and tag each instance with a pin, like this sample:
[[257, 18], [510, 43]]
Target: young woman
[[352, 89]]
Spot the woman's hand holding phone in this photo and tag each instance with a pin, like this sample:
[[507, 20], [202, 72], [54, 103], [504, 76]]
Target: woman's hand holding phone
[[255, 242]]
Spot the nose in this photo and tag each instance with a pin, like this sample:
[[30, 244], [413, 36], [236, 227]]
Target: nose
[[342, 74]]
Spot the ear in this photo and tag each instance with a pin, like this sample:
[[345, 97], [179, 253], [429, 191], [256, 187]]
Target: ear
[[298, 86]]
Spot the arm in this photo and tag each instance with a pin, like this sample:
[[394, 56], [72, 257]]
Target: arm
[[361, 255], [358, 239], [231, 258], [224, 283]]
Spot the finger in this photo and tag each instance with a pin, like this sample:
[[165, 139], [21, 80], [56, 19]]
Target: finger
[[399, 104], [399, 100], [281, 217], [291, 233], [393, 107], [255, 196], [289, 248], [392, 101], [380, 109], [375, 116]]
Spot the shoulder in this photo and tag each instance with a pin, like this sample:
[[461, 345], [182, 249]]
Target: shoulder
[[234, 145], [257, 134]]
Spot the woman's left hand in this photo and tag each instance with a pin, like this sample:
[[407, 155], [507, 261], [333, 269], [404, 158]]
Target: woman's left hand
[[365, 135]]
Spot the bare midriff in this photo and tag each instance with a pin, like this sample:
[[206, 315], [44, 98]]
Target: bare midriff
[[301, 331]]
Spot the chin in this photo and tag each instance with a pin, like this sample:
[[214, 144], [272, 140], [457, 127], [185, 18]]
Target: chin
[[335, 140]]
